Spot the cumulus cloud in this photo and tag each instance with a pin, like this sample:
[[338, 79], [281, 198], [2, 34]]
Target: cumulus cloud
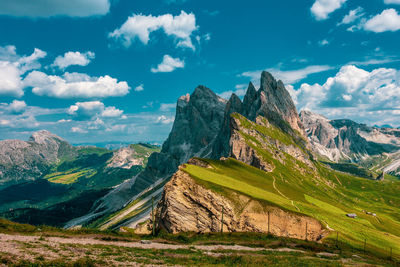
[[10, 79], [354, 93], [139, 88], [288, 76], [140, 27], [165, 120], [75, 85], [92, 109], [73, 58], [388, 20], [50, 8], [13, 66], [15, 107], [322, 8], [111, 112], [169, 64], [353, 15]]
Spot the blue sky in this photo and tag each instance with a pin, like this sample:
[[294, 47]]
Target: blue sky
[[100, 70]]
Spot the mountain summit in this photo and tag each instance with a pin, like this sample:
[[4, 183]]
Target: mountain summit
[[272, 101]]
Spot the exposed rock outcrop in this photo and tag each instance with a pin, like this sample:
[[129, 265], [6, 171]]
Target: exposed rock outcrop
[[240, 150], [186, 206], [273, 102], [28, 160], [347, 140], [127, 157]]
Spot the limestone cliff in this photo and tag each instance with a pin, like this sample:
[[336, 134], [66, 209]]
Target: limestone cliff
[[187, 206]]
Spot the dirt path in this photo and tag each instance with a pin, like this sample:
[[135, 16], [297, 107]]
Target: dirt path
[[8, 243]]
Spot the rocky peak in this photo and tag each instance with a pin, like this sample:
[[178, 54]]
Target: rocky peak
[[276, 102], [308, 117], [197, 121], [43, 137], [268, 81]]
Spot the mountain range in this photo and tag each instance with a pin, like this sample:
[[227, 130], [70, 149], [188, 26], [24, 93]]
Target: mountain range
[[251, 165], [45, 180]]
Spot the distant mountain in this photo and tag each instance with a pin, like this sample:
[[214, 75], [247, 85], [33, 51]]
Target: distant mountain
[[22, 161], [47, 174], [348, 141]]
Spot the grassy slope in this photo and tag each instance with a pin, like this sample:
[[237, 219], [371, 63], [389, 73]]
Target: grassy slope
[[324, 194], [90, 163], [82, 177]]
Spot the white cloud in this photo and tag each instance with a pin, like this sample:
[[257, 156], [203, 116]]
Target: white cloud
[[288, 76], [167, 106], [374, 61], [78, 130], [12, 66], [19, 122], [323, 42], [73, 58], [352, 16], [10, 79], [16, 107], [141, 26], [93, 109], [164, 119], [74, 85], [117, 128], [50, 8], [322, 8], [111, 112], [388, 20], [354, 93], [139, 88], [169, 64], [394, 2]]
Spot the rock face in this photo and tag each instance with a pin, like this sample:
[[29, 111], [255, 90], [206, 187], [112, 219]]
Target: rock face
[[133, 155], [347, 140], [198, 120], [240, 150], [202, 128], [273, 102], [28, 160], [186, 206]]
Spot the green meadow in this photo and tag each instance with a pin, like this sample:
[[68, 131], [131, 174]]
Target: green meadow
[[317, 191]]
